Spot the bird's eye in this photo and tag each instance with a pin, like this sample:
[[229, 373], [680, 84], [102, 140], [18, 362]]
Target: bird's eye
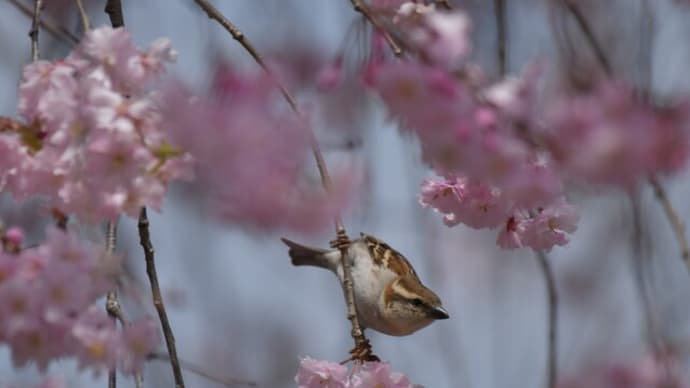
[[417, 302]]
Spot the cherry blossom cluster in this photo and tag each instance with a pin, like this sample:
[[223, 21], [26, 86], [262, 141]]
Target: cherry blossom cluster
[[503, 163], [47, 303], [317, 374], [251, 151], [91, 140]]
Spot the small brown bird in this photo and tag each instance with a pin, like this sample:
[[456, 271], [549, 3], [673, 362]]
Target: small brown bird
[[389, 296]]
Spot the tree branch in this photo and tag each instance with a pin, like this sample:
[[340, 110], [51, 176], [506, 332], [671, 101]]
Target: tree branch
[[33, 33], [85, 22], [112, 305], [199, 370], [145, 241], [552, 300], [589, 36], [114, 10], [501, 38], [360, 7], [362, 348], [57, 31]]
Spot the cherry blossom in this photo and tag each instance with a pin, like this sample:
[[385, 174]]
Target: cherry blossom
[[91, 140], [320, 373], [316, 373]]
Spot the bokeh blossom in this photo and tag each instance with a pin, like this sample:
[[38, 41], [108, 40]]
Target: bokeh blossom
[[251, 152], [48, 296]]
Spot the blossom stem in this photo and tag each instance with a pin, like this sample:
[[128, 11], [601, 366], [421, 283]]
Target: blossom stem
[[149, 253], [200, 371], [360, 7], [85, 22], [50, 26], [501, 36], [552, 305], [33, 33], [342, 241]]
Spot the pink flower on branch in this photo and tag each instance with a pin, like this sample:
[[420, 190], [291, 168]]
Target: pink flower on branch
[[93, 143]]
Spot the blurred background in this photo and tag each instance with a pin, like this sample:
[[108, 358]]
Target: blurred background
[[239, 308]]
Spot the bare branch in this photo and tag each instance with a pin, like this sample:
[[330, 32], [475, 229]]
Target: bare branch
[[552, 300], [112, 305], [114, 10], [589, 35], [33, 33], [57, 31], [199, 370], [673, 219], [85, 22], [360, 7], [149, 253], [501, 38]]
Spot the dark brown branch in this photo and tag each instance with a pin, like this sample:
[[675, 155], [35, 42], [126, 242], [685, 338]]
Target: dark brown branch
[[342, 241], [149, 253], [112, 305], [552, 305], [501, 36], [114, 10], [589, 35], [360, 7], [200, 371], [676, 223], [57, 31], [33, 33], [445, 4]]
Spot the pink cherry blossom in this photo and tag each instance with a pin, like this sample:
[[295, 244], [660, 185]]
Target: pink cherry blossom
[[315, 373], [92, 142], [379, 374], [139, 339]]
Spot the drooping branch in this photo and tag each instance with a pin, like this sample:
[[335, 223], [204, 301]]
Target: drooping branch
[[552, 311], [501, 35], [57, 31], [362, 349], [201, 371], [659, 191], [112, 305], [85, 22], [149, 254], [33, 33], [360, 7]]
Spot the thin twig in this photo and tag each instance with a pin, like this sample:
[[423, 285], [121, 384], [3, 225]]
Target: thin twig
[[589, 35], [54, 29], [501, 36], [199, 370], [552, 300], [445, 4], [342, 241], [676, 223], [112, 305], [85, 22], [149, 253], [114, 10], [33, 33], [360, 7]]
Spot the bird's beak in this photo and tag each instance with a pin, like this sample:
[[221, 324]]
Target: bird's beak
[[439, 313]]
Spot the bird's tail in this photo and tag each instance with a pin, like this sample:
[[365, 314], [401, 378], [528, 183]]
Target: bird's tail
[[303, 255]]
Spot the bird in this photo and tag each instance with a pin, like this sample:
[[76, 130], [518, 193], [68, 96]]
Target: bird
[[389, 297]]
